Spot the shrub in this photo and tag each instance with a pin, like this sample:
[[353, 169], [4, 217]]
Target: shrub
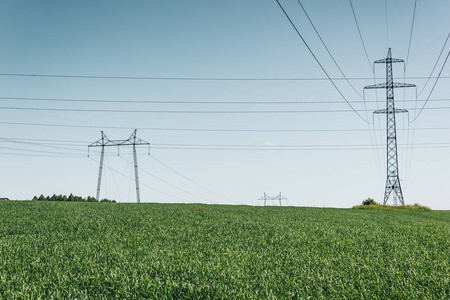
[[369, 201]]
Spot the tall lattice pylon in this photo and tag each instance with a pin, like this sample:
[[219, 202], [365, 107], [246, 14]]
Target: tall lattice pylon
[[131, 141], [393, 180]]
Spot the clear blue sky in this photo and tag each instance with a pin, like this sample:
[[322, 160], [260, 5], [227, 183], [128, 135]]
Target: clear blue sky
[[314, 153]]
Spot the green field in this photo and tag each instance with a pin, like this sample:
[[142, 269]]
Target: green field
[[165, 251]]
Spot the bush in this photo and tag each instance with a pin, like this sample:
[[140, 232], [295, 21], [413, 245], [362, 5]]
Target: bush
[[369, 201]]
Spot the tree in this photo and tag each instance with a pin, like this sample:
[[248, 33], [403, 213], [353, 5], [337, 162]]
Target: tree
[[70, 198], [369, 201]]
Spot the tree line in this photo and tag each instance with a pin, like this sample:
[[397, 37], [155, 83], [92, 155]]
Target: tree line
[[70, 198]]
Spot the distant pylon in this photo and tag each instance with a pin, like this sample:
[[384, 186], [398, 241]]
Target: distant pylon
[[278, 198], [131, 141], [264, 199], [393, 180]]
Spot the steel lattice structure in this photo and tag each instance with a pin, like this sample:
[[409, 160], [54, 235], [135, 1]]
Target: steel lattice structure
[[393, 180], [131, 141], [276, 198]]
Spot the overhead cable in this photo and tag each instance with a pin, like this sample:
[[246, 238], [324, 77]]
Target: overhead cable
[[146, 185], [437, 61], [360, 36], [387, 23], [323, 43], [191, 181], [188, 78], [170, 184], [81, 100], [195, 111], [423, 107], [410, 35], [201, 129], [318, 62]]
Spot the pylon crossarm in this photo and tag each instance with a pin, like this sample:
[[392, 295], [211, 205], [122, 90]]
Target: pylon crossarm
[[141, 142], [384, 111], [131, 141], [388, 60], [104, 144], [276, 198], [107, 143], [385, 85]]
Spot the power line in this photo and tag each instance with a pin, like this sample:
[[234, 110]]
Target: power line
[[17, 140], [175, 111], [240, 147], [184, 78], [192, 102], [423, 107], [41, 151], [170, 184], [203, 129], [323, 43], [410, 36], [271, 149], [284, 146], [194, 111], [318, 62], [375, 148], [39, 155], [437, 61], [360, 36], [191, 181], [387, 23], [114, 180], [290, 145], [368, 147], [47, 141], [409, 142], [426, 83], [152, 188]]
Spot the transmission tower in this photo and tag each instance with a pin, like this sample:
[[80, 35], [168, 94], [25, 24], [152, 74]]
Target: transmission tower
[[392, 181], [278, 198], [131, 141], [263, 198]]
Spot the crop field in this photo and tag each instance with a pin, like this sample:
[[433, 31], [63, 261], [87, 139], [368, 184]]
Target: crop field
[[193, 251]]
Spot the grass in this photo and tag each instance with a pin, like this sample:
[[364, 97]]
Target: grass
[[174, 251], [379, 207]]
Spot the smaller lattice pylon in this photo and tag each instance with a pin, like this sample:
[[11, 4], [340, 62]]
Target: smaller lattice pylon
[[263, 198], [131, 141], [281, 198], [278, 198]]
